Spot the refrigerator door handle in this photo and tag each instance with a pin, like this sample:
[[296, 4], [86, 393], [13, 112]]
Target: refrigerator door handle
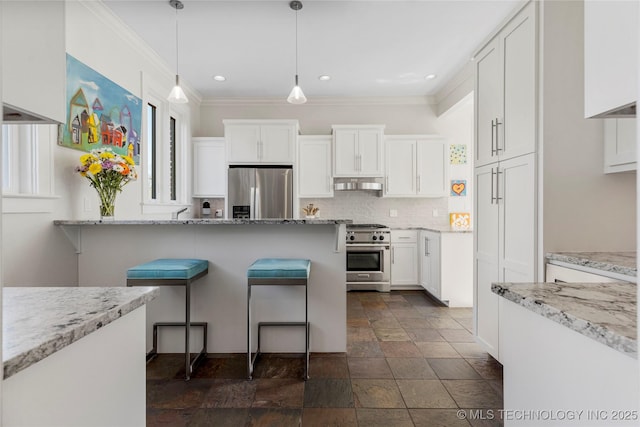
[[252, 204]]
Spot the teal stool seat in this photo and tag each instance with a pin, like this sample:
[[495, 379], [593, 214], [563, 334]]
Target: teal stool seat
[[277, 272], [174, 272]]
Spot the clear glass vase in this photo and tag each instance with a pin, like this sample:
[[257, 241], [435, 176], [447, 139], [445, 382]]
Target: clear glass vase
[[107, 204]]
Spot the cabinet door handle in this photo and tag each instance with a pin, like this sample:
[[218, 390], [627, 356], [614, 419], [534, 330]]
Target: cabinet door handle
[[387, 184], [355, 163], [492, 175], [359, 162], [428, 247], [493, 131], [418, 183], [498, 173], [425, 246], [393, 255], [498, 149]]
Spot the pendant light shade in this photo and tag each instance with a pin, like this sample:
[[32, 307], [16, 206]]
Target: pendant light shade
[[296, 96], [177, 95]]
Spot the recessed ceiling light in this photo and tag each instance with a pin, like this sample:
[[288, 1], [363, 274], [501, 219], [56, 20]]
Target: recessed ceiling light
[[430, 76], [219, 78], [324, 78]]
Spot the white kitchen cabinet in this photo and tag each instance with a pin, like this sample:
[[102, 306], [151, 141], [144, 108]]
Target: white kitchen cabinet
[[404, 258], [446, 266], [430, 262], [555, 273], [263, 141], [619, 145], [610, 55], [506, 90], [358, 150], [505, 246], [33, 57], [415, 165], [314, 166], [209, 167]]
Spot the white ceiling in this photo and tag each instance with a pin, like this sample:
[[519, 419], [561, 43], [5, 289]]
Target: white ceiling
[[369, 48]]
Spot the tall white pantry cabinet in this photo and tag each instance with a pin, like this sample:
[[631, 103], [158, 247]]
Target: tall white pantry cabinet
[[505, 168]]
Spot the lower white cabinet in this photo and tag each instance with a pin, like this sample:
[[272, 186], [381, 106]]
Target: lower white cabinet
[[558, 274], [314, 166], [404, 258], [446, 266], [619, 145], [209, 167]]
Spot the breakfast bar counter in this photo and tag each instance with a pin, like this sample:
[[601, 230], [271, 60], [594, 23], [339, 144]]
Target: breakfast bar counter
[[107, 249]]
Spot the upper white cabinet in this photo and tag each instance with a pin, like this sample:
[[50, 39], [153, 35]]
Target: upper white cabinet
[[33, 57], [358, 150], [506, 91], [610, 55], [261, 141], [619, 145], [416, 165], [314, 166], [209, 167]]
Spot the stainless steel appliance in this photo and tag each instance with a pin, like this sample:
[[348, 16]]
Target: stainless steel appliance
[[368, 250], [258, 192]]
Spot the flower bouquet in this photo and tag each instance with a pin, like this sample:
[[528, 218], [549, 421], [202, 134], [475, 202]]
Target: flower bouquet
[[107, 172]]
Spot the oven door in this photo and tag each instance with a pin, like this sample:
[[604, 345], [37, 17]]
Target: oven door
[[368, 263]]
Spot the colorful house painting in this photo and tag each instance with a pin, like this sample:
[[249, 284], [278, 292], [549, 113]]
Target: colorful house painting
[[114, 118]]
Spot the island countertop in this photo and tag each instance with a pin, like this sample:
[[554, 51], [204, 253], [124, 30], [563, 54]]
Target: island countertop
[[207, 221], [616, 262], [38, 321], [603, 312]]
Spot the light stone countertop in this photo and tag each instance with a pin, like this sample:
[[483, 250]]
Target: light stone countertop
[[38, 321], [605, 312], [616, 262], [437, 229], [206, 221]]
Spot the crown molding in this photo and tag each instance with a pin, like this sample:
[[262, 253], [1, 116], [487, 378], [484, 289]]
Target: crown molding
[[324, 101]]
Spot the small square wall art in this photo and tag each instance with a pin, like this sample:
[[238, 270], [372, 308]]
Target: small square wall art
[[460, 220], [458, 187], [458, 154]]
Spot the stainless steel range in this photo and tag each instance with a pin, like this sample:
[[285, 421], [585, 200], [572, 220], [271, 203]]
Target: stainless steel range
[[368, 250]]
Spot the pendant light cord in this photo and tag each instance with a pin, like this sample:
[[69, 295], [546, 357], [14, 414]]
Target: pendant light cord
[[296, 47], [177, 61]]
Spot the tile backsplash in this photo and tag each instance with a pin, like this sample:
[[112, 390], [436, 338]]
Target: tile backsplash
[[363, 207]]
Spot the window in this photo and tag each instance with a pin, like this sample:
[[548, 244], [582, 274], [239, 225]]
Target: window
[[151, 149], [165, 155], [27, 167], [172, 157]]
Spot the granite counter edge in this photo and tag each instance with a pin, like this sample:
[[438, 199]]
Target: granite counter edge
[[597, 265], [596, 332], [205, 222], [27, 358]]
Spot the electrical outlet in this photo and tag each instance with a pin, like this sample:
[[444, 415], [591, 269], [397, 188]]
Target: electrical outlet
[[393, 213], [435, 213]]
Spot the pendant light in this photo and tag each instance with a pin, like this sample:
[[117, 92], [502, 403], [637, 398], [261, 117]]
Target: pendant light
[[177, 95], [296, 96]]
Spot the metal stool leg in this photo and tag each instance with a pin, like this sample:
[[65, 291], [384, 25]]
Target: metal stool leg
[[249, 366], [187, 322]]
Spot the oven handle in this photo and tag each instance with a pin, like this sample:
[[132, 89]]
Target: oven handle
[[367, 245]]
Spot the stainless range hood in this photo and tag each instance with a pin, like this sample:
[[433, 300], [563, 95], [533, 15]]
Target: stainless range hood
[[15, 115], [358, 184]]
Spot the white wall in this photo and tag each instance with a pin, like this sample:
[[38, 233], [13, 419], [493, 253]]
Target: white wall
[[35, 251], [584, 209]]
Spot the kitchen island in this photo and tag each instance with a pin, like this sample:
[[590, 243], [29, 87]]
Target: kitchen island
[[74, 356], [569, 352], [107, 249]]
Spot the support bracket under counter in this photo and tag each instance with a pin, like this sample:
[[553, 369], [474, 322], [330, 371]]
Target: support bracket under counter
[[74, 235]]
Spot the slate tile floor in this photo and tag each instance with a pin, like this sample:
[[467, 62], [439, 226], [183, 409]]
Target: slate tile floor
[[409, 362]]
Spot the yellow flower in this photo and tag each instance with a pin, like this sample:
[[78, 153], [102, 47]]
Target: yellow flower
[[95, 168], [87, 158], [128, 159], [106, 155]]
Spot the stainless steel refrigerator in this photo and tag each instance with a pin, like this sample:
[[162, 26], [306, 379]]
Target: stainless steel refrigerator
[[258, 192]]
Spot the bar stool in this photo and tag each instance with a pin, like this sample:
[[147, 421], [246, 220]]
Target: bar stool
[[174, 272], [277, 272]]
